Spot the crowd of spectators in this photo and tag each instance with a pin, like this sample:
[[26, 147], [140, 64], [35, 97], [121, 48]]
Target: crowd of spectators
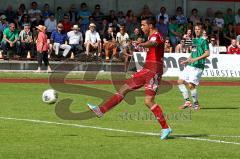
[[111, 36]]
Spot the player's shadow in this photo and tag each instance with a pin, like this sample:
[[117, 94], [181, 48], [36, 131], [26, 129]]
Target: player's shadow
[[150, 136], [221, 108]]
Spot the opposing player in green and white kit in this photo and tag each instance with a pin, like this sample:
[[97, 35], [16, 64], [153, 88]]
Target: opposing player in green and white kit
[[192, 73]]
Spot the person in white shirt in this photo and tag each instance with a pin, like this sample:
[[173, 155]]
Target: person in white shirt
[[33, 11], [213, 46], [92, 40], [122, 39], [50, 24], [75, 39], [219, 21], [164, 14]]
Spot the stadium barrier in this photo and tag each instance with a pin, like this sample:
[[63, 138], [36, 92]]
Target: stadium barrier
[[217, 65]]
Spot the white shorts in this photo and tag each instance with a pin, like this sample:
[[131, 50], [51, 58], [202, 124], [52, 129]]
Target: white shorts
[[191, 75]]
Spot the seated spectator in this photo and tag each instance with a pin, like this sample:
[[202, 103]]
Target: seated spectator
[[24, 20], [208, 26], [194, 17], [213, 45], [167, 46], [42, 48], [109, 44], [46, 11], [128, 53], [237, 17], [92, 40], [209, 15], [98, 15], [33, 11], [229, 34], [10, 14], [181, 19], [122, 39], [238, 40], [229, 17], [75, 39], [111, 16], [188, 39], [3, 25], [121, 17], [85, 14], [205, 35], [135, 35], [59, 14], [146, 12], [59, 39], [164, 15], [10, 40], [36, 23], [67, 25], [162, 28], [26, 39], [72, 14], [218, 20], [233, 48], [181, 47], [103, 28], [173, 34], [50, 24]]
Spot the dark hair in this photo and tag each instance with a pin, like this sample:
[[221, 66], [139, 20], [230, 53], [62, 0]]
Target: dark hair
[[150, 20], [58, 8]]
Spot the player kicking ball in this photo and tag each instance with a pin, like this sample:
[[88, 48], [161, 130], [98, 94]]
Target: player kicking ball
[[149, 77], [192, 73]]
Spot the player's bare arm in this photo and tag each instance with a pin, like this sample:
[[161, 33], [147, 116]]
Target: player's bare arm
[[148, 44]]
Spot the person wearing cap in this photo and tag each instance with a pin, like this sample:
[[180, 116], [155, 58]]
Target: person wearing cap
[[75, 39], [59, 39], [3, 25], [92, 40], [42, 48], [10, 39], [26, 40]]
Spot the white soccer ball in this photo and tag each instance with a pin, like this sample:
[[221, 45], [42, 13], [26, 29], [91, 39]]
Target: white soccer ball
[[50, 96]]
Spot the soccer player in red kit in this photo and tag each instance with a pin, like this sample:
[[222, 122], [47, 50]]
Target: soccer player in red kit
[[149, 77]]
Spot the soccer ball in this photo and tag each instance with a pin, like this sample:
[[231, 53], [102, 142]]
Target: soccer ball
[[50, 96]]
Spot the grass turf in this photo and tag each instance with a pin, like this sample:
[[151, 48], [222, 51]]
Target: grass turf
[[29, 140]]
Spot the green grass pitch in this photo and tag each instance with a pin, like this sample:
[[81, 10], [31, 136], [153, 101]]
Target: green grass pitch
[[212, 132]]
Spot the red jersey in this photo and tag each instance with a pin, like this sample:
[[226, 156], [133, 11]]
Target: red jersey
[[233, 50], [154, 59]]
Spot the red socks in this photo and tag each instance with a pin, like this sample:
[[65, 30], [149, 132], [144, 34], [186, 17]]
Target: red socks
[[113, 101], [157, 111]]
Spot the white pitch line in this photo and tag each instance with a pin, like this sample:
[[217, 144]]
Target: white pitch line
[[119, 130]]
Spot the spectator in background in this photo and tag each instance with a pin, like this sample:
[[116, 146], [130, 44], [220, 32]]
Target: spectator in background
[[42, 48], [67, 25], [162, 28], [24, 20], [115, 25], [132, 25], [73, 15], [10, 14], [173, 34], [213, 45], [233, 48], [237, 17], [21, 11], [194, 17], [188, 39], [46, 11], [205, 35], [181, 19], [164, 14], [121, 17], [109, 44], [3, 25], [238, 40], [80, 25], [112, 16], [146, 12], [103, 28], [208, 26], [10, 40], [75, 39], [181, 47], [229, 17], [98, 15], [229, 34], [26, 39], [85, 14], [122, 38], [33, 11], [129, 16], [92, 40], [167, 46], [36, 23], [135, 35], [59, 38], [50, 24], [209, 15], [218, 20], [59, 14]]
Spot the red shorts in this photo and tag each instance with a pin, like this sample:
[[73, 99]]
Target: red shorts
[[150, 80]]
